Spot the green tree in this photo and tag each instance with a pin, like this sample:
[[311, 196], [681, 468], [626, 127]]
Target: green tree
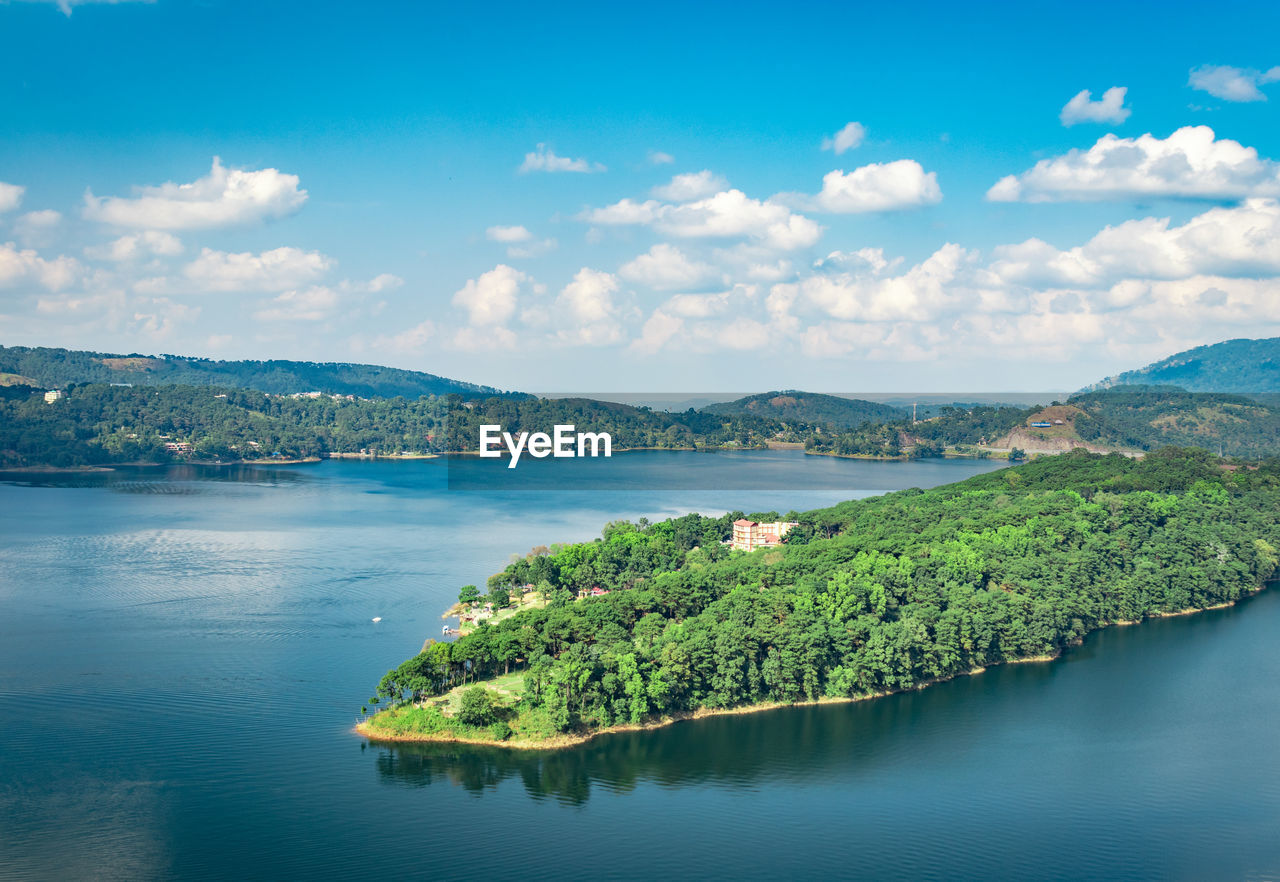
[[476, 708]]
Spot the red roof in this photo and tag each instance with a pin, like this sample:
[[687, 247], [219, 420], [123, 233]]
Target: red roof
[[743, 522]]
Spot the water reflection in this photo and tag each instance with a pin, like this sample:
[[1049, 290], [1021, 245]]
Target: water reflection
[[787, 746], [173, 480]]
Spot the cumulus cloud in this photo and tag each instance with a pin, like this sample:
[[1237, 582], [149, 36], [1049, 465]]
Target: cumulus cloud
[[732, 213], [383, 282], [657, 157], [37, 227], [665, 267], [10, 196], [26, 266], [694, 185], [223, 198], [727, 214], [1232, 83], [1107, 109], [508, 234], [626, 211], [888, 186], [274, 270], [533, 249], [585, 309], [915, 295], [545, 160], [491, 298], [1237, 241], [520, 242], [1190, 163], [137, 246], [1146, 282], [847, 138]]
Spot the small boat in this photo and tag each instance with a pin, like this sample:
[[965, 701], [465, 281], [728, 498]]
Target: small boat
[[377, 619], [446, 630]]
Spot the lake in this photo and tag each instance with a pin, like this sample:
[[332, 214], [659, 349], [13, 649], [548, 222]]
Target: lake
[[183, 653]]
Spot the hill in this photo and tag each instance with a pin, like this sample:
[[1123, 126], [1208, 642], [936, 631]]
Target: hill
[[1231, 366], [809, 407], [99, 424], [1126, 418], [54, 368]]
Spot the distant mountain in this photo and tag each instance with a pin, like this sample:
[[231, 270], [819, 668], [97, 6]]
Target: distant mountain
[[1244, 366], [810, 407], [53, 368]]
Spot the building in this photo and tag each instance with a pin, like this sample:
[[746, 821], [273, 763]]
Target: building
[[751, 535], [54, 395]]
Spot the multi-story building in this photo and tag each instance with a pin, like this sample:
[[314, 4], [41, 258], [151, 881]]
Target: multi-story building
[[750, 535]]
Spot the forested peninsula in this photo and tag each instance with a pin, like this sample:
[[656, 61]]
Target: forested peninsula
[[865, 598]]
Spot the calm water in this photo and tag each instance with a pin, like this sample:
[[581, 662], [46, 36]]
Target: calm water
[[182, 656]]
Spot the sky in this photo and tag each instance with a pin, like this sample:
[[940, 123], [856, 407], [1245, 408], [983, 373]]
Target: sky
[[657, 197]]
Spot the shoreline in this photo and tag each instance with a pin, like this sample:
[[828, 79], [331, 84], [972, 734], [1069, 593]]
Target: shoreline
[[567, 740]]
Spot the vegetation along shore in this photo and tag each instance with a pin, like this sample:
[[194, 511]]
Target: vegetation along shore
[[656, 622]]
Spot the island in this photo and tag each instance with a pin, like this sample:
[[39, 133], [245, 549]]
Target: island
[[657, 622]]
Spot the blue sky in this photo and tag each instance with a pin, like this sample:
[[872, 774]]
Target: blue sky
[[645, 198]]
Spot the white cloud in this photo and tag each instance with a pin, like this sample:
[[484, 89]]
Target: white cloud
[[697, 305], [1235, 241], [687, 187], [67, 5], [885, 186], [659, 329], [224, 197], [546, 160], [587, 309], [37, 227], [918, 294], [657, 157], [532, 249], [1232, 83], [728, 214], [18, 267], [1190, 163], [665, 267], [310, 305], [491, 298], [847, 138], [383, 282], [10, 196], [508, 234], [1109, 108], [732, 213], [626, 211], [274, 270], [520, 242], [136, 246]]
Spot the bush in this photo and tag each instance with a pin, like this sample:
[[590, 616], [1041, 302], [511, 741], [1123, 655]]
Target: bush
[[476, 707], [500, 731]]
